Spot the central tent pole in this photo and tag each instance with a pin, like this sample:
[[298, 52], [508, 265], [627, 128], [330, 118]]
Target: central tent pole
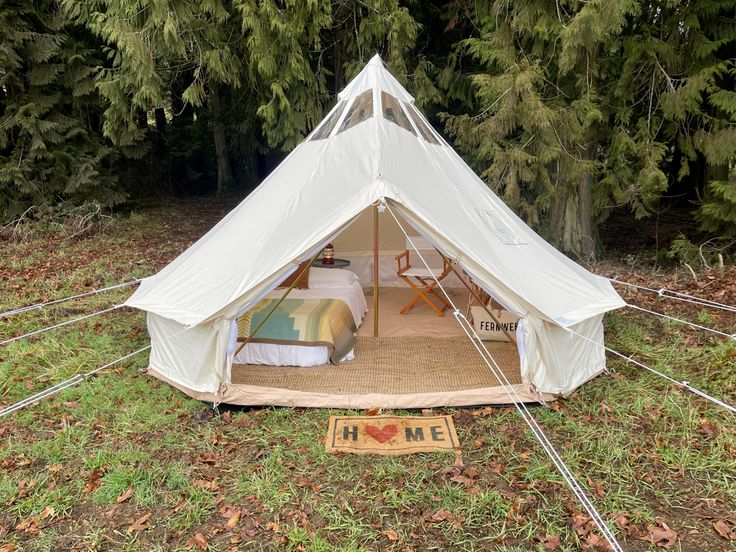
[[375, 270]]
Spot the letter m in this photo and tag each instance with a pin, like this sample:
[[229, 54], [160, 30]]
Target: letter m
[[414, 434]]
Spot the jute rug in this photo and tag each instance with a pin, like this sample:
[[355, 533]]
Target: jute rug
[[391, 435], [392, 366]]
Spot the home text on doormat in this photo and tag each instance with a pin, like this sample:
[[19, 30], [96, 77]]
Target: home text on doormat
[[391, 435]]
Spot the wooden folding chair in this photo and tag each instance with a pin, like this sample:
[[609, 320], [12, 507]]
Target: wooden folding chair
[[423, 281]]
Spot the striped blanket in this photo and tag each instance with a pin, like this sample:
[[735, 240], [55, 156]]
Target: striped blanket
[[310, 322]]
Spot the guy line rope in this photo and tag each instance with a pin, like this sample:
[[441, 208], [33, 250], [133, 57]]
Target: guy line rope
[[74, 380], [36, 306], [684, 384], [59, 325], [519, 404], [681, 321], [687, 299], [677, 296], [78, 378]]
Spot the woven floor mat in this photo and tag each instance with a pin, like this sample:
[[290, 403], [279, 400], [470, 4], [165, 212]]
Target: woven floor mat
[[392, 365]]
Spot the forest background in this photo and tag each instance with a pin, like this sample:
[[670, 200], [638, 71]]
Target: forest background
[[594, 120]]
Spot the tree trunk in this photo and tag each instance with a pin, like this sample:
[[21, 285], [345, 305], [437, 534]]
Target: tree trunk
[[571, 217], [224, 170], [160, 115]]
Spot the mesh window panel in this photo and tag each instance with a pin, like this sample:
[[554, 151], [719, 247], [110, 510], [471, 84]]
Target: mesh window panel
[[424, 130], [326, 129], [392, 112], [361, 110]]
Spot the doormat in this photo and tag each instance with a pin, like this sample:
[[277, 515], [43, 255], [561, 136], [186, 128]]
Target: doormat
[[391, 435]]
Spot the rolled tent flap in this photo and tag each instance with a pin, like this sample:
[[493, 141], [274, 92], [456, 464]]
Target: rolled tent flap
[[192, 357]]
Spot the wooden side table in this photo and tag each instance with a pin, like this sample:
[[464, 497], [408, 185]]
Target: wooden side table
[[339, 263]]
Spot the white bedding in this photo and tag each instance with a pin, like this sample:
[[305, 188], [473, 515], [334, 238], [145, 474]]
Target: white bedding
[[341, 284]]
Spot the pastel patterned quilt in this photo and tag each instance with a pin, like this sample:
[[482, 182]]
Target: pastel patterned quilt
[[311, 322]]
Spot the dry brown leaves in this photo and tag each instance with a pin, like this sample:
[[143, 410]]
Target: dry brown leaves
[[140, 524], [207, 485], [232, 514], [661, 535], [585, 529], [93, 481], [549, 542], [17, 461], [391, 535], [726, 527], [126, 495], [456, 520], [305, 482], [198, 541]]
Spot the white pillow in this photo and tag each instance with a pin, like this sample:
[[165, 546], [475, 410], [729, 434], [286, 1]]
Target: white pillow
[[331, 277]]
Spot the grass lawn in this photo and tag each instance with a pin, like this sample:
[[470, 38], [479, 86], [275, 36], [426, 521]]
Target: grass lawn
[[125, 462]]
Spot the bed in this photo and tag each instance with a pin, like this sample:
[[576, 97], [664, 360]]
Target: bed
[[324, 284]]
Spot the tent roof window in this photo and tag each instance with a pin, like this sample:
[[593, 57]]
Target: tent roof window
[[422, 127], [392, 112], [329, 123], [361, 110]]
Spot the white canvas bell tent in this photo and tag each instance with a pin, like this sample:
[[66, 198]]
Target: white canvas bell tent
[[373, 146]]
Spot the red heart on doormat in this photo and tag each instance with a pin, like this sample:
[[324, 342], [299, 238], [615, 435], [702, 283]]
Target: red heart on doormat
[[382, 435]]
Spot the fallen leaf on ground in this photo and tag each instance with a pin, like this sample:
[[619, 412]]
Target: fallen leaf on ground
[[233, 520], [93, 482], [622, 521], [48, 511], [726, 527], [206, 485], [550, 542], [467, 482], [140, 524], [198, 540], [305, 482], [446, 515], [598, 487], [594, 541], [29, 525], [662, 535], [707, 427], [373, 411], [126, 495], [391, 535]]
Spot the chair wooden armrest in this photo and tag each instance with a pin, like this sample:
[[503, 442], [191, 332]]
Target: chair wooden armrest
[[446, 269], [407, 265]]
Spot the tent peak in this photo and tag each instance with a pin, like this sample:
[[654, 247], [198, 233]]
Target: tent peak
[[375, 76], [376, 60]]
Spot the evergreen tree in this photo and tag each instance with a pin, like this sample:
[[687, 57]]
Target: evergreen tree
[[51, 148], [579, 107], [537, 83]]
